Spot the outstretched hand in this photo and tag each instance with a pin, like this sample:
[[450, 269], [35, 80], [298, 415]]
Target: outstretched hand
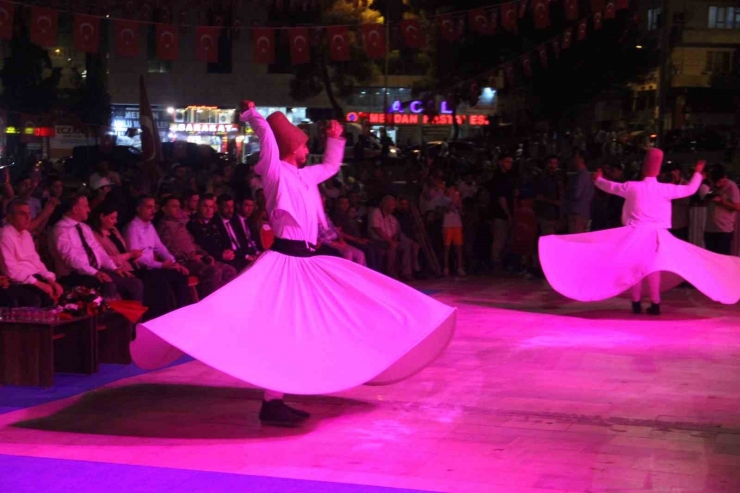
[[699, 168], [335, 130], [246, 106], [598, 174]]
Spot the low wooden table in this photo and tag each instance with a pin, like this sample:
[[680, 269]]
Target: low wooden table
[[31, 351]]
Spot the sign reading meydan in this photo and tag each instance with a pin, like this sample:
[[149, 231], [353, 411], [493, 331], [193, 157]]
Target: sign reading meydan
[[415, 119]]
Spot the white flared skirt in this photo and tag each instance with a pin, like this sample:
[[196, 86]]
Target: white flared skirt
[[602, 264], [311, 325]]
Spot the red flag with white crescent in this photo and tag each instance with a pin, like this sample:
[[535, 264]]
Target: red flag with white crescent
[[126, 38], [264, 45], [480, 22], [87, 33], [374, 36], [6, 20], [567, 38], [541, 12], [571, 9], [168, 43], [300, 51], [508, 18], [206, 43], [44, 26], [412, 34], [449, 28], [151, 146], [338, 43], [582, 30], [610, 11], [527, 65]]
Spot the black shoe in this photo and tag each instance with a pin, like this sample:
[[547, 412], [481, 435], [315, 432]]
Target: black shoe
[[636, 307], [298, 412], [276, 413], [654, 309]]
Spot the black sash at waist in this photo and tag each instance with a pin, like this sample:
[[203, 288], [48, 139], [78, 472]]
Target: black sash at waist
[[293, 248]]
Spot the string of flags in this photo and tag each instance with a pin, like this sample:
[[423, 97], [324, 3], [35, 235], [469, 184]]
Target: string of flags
[[415, 32]]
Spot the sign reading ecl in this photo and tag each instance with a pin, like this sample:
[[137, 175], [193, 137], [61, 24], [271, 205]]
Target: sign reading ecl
[[417, 107], [396, 119]]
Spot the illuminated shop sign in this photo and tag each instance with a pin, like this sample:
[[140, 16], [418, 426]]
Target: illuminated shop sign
[[414, 119], [417, 108], [210, 128]]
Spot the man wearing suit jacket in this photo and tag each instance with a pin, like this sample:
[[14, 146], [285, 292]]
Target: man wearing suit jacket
[[211, 235], [232, 236], [239, 221]]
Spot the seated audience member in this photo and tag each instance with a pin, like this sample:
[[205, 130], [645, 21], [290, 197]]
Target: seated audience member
[[233, 233], [34, 284], [178, 240], [103, 222], [39, 214], [385, 230], [156, 263], [240, 221], [79, 259], [189, 209], [208, 232], [350, 229], [330, 237]]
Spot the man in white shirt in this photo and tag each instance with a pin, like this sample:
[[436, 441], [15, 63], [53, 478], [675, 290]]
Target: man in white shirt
[[722, 214], [79, 260], [140, 234], [384, 229], [21, 262]]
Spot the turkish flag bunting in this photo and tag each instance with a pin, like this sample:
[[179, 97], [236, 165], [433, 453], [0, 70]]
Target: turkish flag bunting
[[264, 45], [299, 49], [567, 38], [374, 36], [168, 43], [571, 9], [523, 9], [527, 65], [610, 11], [44, 26], [623, 4], [338, 43], [449, 28], [542, 51], [412, 35], [556, 48], [582, 30], [206, 43], [480, 22], [494, 20], [541, 9], [6, 20], [87, 33], [508, 18], [127, 38], [509, 73]]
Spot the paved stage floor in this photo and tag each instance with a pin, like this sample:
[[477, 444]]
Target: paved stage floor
[[535, 394]]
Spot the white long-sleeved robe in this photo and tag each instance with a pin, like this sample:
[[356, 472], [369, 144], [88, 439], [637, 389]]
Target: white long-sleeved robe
[[602, 264]]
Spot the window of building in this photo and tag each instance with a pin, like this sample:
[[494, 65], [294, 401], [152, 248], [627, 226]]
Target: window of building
[[724, 17], [653, 17], [719, 61]]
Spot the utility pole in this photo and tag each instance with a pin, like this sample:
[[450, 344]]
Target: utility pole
[[663, 79], [386, 21]]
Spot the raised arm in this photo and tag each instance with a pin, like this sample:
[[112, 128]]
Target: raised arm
[[268, 166], [333, 156], [680, 191], [611, 187]]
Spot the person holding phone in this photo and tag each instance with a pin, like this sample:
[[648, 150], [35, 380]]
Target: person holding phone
[[599, 265]]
